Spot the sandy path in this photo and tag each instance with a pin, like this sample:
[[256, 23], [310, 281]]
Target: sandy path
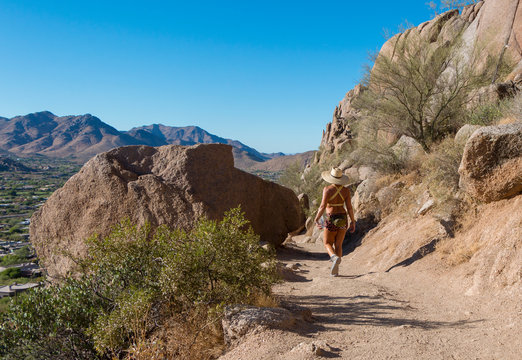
[[414, 312]]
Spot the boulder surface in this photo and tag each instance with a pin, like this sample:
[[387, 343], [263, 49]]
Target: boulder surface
[[491, 167], [172, 185]]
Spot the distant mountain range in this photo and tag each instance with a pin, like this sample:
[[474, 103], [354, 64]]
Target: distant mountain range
[[79, 137]]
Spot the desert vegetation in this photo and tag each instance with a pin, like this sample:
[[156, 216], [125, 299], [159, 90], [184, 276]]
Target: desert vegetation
[[143, 293], [413, 101]]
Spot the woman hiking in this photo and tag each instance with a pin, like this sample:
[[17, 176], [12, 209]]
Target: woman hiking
[[336, 201]]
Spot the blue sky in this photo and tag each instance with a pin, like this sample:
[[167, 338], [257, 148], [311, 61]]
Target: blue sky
[[266, 73]]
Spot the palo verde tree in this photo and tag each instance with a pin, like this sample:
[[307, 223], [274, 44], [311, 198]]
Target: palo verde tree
[[422, 89]]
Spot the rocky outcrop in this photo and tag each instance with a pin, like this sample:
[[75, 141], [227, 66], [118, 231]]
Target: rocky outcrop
[[338, 133], [495, 25], [491, 167], [171, 185]]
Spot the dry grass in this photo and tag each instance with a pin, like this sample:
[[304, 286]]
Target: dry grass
[[191, 337], [507, 120], [262, 300], [455, 253], [197, 336], [386, 180]]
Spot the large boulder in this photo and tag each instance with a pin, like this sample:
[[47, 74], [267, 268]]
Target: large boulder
[[172, 185], [491, 167], [407, 148], [464, 133]]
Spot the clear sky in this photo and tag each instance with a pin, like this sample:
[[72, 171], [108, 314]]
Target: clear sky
[[266, 73]]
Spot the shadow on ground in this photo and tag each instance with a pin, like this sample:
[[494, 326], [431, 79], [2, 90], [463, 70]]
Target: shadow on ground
[[380, 310]]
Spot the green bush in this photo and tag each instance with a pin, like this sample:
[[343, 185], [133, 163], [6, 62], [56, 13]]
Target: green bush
[[514, 107], [49, 323], [11, 259], [133, 281], [487, 114], [11, 273], [23, 252], [17, 257], [441, 169]]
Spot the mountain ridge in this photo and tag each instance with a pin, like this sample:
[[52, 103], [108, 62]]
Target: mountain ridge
[[80, 137]]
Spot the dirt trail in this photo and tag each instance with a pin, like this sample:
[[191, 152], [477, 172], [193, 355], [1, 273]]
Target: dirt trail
[[414, 312]]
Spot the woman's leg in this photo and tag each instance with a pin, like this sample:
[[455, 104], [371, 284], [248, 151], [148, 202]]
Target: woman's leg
[[339, 238], [328, 241]]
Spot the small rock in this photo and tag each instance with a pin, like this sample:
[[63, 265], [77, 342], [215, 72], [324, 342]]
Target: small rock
[[317, 348], [266, 246], [309, 223], [400, 327], [240, 320], [428, 205], [302, 239], [293, 266], [366, 172], [345, 164]]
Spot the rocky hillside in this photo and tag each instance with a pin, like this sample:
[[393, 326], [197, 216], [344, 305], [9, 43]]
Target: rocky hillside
[[158, 135], [81, 137], [44, 133], [492, 26], [457, 198], [280, 163]]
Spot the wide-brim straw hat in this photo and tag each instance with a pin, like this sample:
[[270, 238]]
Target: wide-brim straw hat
[[335, 176]]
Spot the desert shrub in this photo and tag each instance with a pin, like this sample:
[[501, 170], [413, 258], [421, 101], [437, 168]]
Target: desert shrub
[[10, 273], [11, 259], [291, 177], [133, 281], [49, 323], [455, 253], [308, 182], [513, 108], [487, 114], [373, 151], [24, 252], [17, 257], [440, 169]]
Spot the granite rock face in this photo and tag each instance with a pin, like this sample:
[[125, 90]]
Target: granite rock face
[[172, 185], [491, 167], [494, 25]]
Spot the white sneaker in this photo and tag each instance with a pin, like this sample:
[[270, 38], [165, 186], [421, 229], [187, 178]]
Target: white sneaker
[[334, 270]]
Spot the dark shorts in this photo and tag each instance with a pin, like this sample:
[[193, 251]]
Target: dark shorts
[[335, 222]]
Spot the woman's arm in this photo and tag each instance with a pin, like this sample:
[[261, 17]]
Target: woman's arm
[[321, 209], [349, 207]]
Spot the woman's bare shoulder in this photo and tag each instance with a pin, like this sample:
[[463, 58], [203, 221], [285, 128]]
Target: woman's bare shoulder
[[328, 188]]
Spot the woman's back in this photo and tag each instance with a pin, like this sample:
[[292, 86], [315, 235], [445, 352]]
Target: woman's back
[[336, 195]]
